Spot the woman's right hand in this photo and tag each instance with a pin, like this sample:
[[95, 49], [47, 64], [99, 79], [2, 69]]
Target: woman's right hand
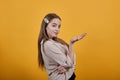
[[61, 69]]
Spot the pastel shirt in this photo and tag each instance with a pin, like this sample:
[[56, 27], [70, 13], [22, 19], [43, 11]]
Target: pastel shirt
[[55, 54]]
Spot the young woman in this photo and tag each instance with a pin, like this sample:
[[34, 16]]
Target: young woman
[[54, 54]]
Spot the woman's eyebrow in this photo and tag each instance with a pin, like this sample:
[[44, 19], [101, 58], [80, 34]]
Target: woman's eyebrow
[[54, 23]]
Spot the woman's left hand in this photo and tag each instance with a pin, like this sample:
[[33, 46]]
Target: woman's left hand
[[61, 69], [78, 38]]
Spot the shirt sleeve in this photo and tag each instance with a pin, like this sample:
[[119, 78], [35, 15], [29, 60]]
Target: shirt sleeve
[[55, 53]]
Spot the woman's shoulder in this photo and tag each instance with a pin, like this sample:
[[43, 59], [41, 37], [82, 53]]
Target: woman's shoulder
[[52, 43], [48, 42]]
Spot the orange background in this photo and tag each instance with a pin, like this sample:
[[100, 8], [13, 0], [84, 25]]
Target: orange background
[[98, 54]]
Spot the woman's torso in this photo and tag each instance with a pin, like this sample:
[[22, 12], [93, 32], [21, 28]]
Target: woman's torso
[[55, 54]]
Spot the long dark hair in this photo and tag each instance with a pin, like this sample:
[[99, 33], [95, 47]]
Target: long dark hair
[[43, 36]]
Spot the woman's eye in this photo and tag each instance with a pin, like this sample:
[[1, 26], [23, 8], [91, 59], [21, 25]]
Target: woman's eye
[[54, 25]]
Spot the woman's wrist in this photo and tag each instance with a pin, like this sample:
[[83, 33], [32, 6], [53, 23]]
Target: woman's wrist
[[71, 41]]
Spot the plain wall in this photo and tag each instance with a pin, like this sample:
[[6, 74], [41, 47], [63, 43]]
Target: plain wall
[[98, 54]]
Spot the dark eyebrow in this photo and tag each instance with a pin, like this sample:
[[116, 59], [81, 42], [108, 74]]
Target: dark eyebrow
[[54, 23]]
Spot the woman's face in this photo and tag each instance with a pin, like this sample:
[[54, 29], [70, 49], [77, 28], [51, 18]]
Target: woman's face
[[53, 28]]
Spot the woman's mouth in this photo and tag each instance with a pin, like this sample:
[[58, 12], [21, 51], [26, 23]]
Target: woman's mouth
[[56, 33]]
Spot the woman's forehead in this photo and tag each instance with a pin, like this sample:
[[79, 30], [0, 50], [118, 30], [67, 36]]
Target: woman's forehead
[[56, 21]]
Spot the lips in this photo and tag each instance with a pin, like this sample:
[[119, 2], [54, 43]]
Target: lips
[[56, 33]]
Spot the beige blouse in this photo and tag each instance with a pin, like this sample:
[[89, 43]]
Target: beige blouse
[[55, 54]]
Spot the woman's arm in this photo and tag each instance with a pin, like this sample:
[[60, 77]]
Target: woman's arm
[[62, 69], [71, 51], [71, 46]]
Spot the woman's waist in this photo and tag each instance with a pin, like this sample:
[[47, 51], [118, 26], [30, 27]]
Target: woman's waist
[[55, 74]]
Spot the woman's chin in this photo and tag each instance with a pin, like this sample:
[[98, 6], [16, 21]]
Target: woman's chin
[[55, 36]]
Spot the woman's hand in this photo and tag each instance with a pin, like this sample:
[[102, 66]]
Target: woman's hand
[[78, 38], [61, 69]]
